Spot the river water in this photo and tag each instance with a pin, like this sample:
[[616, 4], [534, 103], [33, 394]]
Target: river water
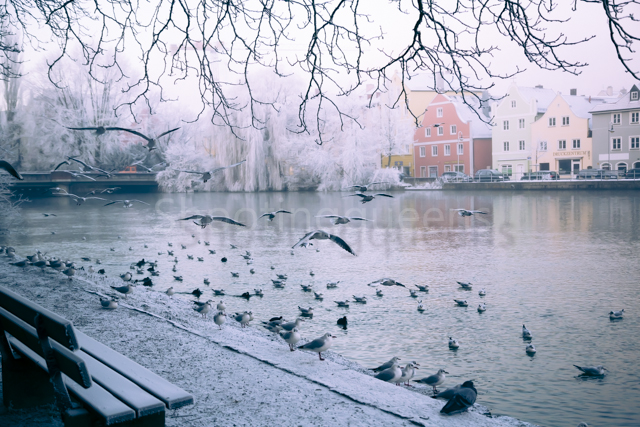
[[555, 261]]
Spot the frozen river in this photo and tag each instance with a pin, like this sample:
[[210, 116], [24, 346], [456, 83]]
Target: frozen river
[[557, 262]]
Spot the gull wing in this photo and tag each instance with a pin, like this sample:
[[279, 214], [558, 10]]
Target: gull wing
[[478, 212], [383, 195], [180, 170], [80, 174], [357, 194], [66, 162], [79, 161], [135, 132], [112, 189], [282, 211], [264, 214], [115, 201], [167, 132], [191, 217], [227, 167], [341, 243], [305, 239], [329, 216], [7, 166], [356, 218], [82, 128], [227, 220], [353, 186]]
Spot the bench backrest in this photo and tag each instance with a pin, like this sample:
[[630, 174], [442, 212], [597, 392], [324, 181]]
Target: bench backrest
[[58, 328], [70, 364]]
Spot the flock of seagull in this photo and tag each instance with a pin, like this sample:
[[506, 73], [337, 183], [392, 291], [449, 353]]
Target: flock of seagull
[[459, 398]]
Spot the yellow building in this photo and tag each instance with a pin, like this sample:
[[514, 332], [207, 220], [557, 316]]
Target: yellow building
[[562, 136], [402, 162]]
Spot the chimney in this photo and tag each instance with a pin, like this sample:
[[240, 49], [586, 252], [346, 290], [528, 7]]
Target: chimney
[[573, 92], [539, 87], [609, 91]]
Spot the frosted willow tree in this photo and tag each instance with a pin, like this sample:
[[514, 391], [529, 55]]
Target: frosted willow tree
[[335, 44]]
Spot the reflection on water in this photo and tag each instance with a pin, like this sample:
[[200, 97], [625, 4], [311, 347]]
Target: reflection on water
[[558, 262]]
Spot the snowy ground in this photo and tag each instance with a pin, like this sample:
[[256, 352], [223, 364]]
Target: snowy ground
[[238, 376]]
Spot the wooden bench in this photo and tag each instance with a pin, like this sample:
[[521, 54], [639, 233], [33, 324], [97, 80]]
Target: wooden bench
[[45, 360]]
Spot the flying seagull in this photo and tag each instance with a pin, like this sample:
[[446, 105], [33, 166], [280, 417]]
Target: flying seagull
[[364, 198], [206, 175], [86, 167], [323, 235], [7, 166], [271, 215], [79, 200], [337, 219], [363, 188], [127, 203], [465, 212], [204, 220], [151, 142]]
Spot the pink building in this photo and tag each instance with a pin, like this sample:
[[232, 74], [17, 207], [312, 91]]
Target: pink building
[[452, 138]]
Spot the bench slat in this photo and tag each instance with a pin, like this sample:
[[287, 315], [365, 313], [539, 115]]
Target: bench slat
[[97, 400], [173, 396], [58, 328], [70, 364], [128, 392]]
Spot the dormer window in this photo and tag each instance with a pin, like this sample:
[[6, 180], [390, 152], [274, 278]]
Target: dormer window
[[634, 95]]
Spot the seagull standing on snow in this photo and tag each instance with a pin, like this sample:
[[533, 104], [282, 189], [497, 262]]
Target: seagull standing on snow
[[109, 303], [206, 175], [319, 344], [126, 290], [407, 373], [434, 380], [220, 318], [391, 374], [323, 235], [291, 337], [386, 365]]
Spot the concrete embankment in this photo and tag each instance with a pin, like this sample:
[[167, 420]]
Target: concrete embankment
[[545, 185]]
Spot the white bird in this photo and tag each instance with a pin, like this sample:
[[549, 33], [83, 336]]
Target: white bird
[[420, 306], [453, 343], [307, 288], [306, 311], [243, 318], [318, 295], [482, 292], [290, 325], [332, 285], [465, 285], [319, 344], [126, 276], [391, 374], [342, 303], [337, 219], [379, 292], [271, 215], [434, 380], [203, 309], [423, 288], [364, 198], [387, 365], [109, 303], [204, 220], [465, 212], [221, 306], [530, 349], [291, 337], [482, 308], [594, 371], [220, 318], [526, 334], [362, 299], [170, 291], [413, 293], [461, 302], [323, 235], [616, 314], [127, 203], [206, 175], [407, 373]]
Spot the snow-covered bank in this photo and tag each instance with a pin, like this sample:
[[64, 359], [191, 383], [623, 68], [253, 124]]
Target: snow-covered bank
[[238, 376]]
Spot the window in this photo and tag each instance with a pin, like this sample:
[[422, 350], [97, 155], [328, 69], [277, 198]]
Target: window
[[423, 171], [423, 151], [440, 130], [634, 95], [634, 142], [616, 143], [433, 171], [622, 166], [447, 150], [507, 170], [635, 115], [439, 112], [544, 166], [460, 148], [565, 121], [458, 168], [434, 150], [543, 146], [615, 118], [562, 144], [606, 166], [505, 125], [636, 165], [506, 146], [575, 144], [521, 123], [521, 145], [447, 168], [427, 132], [513, 104], [552, 121], [454, 129]]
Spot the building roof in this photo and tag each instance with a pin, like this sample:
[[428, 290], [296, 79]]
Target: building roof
[[540, 94], [467, 113], [624, 103]]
